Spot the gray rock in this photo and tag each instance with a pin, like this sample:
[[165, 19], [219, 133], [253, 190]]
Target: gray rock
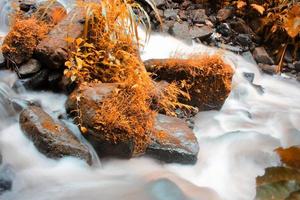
[[201, 32], [29, 68], [181, 30], [175, 142], [297, 66], [249, 76], [244, 40], [270, 69], [288, 57], [170, 13], [159, 3], [2, 60], [37, 81], [224, 14], [261, 56], [51, 137], [198, 16], [5, 185]]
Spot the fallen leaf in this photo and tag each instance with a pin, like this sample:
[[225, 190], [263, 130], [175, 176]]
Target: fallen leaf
[[258, 8]]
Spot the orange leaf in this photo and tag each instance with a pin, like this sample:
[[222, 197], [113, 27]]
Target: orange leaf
[[258, 8], [240, 4], [290, 156]]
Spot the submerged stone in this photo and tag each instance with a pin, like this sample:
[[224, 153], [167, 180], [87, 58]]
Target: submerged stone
[[50, 137]]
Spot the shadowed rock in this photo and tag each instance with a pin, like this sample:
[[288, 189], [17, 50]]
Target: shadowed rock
[[50, 137], [175, 141]]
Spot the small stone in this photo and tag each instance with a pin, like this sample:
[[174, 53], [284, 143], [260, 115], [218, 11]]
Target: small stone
[[181, 30], [198, 16], [270, 69], [201, 32], [2, 60], [182, 15], [224, 14], [249, 76], [290, 66], [224, 29], [170, 13], [159, 3], [29, 68], [261, 56], [244, 40], [5, 185], [297, 66]]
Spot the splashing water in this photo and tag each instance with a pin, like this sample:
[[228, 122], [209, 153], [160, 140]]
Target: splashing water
[[236, 143]]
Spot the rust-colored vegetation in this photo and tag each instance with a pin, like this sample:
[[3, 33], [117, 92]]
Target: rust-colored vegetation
[[23, 38], [206, 78], [108, 53]]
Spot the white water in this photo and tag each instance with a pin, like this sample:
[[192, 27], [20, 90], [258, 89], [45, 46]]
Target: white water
[[236, 144]]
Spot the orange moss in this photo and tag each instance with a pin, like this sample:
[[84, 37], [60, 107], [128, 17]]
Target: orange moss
[[23, 38], [206, 78]]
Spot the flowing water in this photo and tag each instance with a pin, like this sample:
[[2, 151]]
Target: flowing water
[[236, 143]]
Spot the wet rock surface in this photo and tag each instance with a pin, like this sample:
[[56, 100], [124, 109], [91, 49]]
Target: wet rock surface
[[29, 68], [52, 51], [175, 141], [51, 137], [89, 97]]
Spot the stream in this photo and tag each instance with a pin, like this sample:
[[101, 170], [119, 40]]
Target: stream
[[236, 143]]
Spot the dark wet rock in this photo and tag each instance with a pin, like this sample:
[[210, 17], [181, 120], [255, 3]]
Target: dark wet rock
[[5, 185], [224, 29], [198, 16], [2, 60], [249, 76], [181, 30], [28, 5], [201, 32], [240, 26], [37, 81], [290, 66], [52, 51], [89, 97], [224, 14], [175, 141], [51, 137], [244, 40], [54, 80], [170, 13], [261, 56], [29, 68], [297, 66], [271, 69]]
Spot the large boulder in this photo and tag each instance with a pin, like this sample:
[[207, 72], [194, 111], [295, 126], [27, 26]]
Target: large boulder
[[207, 79], [173, 142], [89, 97], [51, 137]]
